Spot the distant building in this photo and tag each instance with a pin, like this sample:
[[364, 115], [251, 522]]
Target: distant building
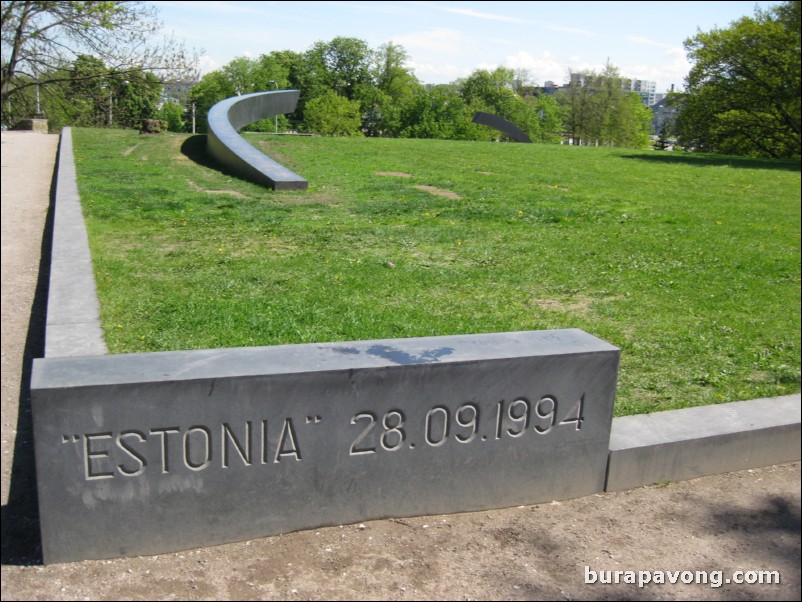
[[548, 88], [663, 114], [644, 88]]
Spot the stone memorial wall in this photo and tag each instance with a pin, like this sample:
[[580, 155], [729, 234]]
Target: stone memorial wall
[[149, 453]]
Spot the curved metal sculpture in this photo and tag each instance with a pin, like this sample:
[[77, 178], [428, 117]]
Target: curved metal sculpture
[[229, 148], [502, 125]]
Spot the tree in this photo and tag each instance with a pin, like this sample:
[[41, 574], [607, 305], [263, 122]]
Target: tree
[[743, 92], [521, 80], [342, 65], [390, 74], [549, 116], [599, 110], [393, 87], [333, 115], [242, 76], [212, 88], [40, 39], [442, 113], [172, 114]]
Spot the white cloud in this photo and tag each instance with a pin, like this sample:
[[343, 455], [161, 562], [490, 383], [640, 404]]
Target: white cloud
[[542, 67], [443, 40], [647, 42], [505, 19], [672, 70], [438, 74], [487, 16], [207, 64], [563, 28]]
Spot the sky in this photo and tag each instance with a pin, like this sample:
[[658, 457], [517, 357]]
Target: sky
[[449, 40]]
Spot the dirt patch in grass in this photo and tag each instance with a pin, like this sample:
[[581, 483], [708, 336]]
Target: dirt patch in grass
[[395, 174], [131, 149], [439, 192], [576, 303], [198, 188], [269, 148]]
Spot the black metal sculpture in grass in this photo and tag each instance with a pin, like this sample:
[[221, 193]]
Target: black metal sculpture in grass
[[502, 125]]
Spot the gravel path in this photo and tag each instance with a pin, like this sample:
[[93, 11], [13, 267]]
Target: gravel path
[[745, 521]]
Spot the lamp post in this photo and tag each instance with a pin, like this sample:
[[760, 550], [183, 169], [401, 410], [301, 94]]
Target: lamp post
[[111, 107], [275, 119]]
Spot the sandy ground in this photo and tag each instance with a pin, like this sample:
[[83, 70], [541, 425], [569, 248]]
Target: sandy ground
[[745, 521]]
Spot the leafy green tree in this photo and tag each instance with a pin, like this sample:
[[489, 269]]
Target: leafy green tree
[[743, 92], [580, 101], [550, 116], [241, 76], [173, 114], [441, 112], [629, 123], [393, 87], [211, 89], [342, 65], [391, 75], [132, 100], [333, 115], [40, 40], [494, 92], [88, 101], [88, 93], [599, 110]]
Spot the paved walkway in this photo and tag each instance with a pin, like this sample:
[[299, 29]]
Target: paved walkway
[[28, 161], [748, 520]]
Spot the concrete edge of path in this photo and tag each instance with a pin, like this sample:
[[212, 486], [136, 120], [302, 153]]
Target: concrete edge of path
[[73, 312], [678, 445]]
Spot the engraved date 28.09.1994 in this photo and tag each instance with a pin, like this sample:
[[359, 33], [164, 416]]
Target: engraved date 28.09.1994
[[465, 424]]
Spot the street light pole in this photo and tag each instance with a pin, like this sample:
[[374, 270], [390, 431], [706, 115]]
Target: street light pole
[[276, 117]]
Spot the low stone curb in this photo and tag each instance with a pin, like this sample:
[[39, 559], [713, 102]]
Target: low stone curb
[[677, 445], [73, 312]]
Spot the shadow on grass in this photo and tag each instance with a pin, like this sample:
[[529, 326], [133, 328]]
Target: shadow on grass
[[194, 149], [702, 160]]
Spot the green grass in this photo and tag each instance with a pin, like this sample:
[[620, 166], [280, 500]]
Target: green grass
[[690, 264]]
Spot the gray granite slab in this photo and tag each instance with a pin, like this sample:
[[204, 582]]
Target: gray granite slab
[[150, 453]]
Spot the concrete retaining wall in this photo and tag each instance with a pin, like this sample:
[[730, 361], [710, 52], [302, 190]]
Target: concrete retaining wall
[[73, 313]]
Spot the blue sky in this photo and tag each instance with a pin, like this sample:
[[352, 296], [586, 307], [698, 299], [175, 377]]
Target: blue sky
[[448, 40]]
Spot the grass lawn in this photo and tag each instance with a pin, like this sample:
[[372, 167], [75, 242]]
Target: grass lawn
[[690, 264]]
